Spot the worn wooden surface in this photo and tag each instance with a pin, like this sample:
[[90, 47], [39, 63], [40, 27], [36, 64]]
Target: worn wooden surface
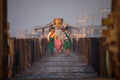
[[116, 25], [112, 42], [4, 49], [1, 36], [59, 66]]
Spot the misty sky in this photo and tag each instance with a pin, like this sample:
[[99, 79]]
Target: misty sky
[[26, 14]]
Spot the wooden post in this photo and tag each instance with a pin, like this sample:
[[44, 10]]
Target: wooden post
[[3, 43], [115, 49], [11, 57], [102, 58]]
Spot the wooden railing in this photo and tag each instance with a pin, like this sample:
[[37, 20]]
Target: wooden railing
[[24, 52], [94, 51]]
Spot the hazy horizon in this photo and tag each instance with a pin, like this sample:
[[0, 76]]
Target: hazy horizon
[[26, 14]]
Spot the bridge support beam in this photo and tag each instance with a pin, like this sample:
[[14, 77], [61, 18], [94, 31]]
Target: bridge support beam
[[3, 40]]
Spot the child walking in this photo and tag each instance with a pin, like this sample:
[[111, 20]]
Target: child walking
[[58, 44]]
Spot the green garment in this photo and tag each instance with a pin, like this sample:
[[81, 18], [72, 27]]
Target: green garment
[[67, 43], [51, 45]]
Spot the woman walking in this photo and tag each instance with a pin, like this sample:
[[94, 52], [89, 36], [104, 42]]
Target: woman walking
[[66, 41], [50, 37]]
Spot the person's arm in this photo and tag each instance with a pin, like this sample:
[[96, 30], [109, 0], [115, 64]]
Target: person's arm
[[48, 35], [62, 37]]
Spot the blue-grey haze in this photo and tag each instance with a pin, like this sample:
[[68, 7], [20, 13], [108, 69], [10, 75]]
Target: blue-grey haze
[[26, 14]]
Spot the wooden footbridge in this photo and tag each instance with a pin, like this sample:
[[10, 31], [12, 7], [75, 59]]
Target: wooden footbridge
[[30, 59]]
